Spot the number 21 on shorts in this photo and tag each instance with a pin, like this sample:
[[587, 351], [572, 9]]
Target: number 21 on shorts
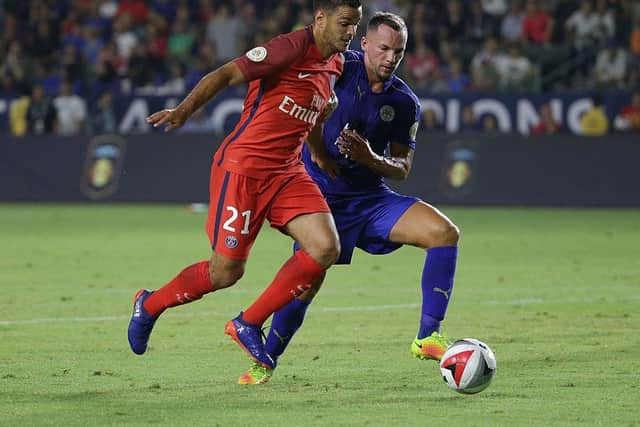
[[230, 224]]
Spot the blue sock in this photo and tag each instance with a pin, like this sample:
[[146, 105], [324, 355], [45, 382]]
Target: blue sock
[[284, 325], [437, 285]]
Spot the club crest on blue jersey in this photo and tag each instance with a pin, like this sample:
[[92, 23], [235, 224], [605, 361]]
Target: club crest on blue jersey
[[230, 242], [387, 113]]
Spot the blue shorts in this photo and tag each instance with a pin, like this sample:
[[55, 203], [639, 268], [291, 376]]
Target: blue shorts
[[366, 221]]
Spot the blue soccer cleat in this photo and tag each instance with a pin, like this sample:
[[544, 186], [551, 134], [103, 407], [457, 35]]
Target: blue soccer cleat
[[141, 323], [249, 338]]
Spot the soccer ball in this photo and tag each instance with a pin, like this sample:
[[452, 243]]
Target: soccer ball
[[468, 366]]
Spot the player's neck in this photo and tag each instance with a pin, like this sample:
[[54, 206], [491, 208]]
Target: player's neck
[[375, 83], [326, 50]]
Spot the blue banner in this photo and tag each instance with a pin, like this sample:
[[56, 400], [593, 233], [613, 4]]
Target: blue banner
[[512, 113]]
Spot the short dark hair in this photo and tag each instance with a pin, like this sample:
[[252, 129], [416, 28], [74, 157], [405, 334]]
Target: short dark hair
[[389, 19], [333, 4]]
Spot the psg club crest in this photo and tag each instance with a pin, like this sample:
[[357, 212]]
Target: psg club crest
[[103, 166], [459, 170], [230, 242]]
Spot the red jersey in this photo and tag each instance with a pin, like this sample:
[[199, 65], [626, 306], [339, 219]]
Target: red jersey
[[534, 27], [289, 86]]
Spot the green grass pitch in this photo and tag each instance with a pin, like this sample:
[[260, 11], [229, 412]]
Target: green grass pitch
[[554, 292]]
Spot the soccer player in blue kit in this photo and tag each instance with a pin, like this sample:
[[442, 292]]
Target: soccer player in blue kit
[[377, 114]]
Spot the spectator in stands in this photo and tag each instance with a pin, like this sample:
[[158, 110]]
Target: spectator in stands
[[480, 24], [454, 25], [547, 125], [421, 66], [489, 124], [73, 64], [8, 85], [456, 79], [484, 70], [15, 63], [634, 40], [468, 120], [18, 108], [584, 29], [103, 117], [181, 40], [495, 8], [594, 122], [136, 9], [41, 115], [512, 23], [606, 21], [628, 119], [538, 24], [91, 46], [610, 71], [431, 121], [43, 41], [224, 31], [515, 71], [125, 40], [71, 111]]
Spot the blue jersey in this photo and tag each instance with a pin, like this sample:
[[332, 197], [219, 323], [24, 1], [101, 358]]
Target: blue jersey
[[382, 118]]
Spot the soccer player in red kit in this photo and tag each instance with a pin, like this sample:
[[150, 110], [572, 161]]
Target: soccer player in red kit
[[257, 174]]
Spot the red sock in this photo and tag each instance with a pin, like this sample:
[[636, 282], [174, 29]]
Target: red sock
[[189, 285], [295, 277]]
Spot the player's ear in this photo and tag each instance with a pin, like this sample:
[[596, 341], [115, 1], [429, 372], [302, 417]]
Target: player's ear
[[320, 18], [363, 42]]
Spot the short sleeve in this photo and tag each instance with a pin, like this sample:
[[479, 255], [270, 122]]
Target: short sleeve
[[409, 122], [274, 56]]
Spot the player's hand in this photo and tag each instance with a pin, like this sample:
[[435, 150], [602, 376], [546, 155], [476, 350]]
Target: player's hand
[[327, 164], [170, 118], [355, 147]]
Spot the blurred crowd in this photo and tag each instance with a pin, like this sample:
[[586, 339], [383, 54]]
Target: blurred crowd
[[75, 56]]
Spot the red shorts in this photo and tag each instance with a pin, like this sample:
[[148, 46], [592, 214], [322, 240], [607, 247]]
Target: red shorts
[[239, 205]]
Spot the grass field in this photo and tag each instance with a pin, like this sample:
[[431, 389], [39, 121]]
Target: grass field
[[555, 293]]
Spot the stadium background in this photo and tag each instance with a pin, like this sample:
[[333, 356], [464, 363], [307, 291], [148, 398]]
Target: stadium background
[[529, 72]]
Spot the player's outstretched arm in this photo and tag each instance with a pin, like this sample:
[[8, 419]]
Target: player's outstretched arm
[[209, 86]]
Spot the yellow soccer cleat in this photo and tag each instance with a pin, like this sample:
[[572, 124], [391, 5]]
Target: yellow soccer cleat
[[429, 348], [256, 374]]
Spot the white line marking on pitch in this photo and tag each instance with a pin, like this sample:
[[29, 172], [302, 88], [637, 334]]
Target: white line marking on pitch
[[385, 307]]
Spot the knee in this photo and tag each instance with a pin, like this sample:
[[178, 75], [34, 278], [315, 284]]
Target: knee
[[447, 234], [225, 276], [450, 235], [325, 251]]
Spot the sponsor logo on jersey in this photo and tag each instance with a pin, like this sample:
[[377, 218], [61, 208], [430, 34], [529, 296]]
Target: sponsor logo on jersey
[[257, 54], [290, 107], [230, 242], [387, 113], [303, 75]]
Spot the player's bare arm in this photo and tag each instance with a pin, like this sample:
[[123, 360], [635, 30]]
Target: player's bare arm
[[395, 166], [209, 86], [319, 154]]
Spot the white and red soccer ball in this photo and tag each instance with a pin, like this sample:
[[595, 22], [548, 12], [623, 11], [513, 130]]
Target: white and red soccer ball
[[468, 366]]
